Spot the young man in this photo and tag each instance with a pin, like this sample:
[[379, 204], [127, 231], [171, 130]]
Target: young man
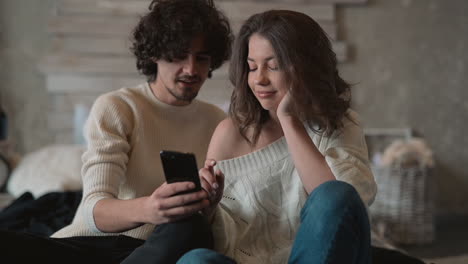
[[128, 213]]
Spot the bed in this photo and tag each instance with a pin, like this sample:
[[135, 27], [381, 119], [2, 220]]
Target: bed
[[44, 191]]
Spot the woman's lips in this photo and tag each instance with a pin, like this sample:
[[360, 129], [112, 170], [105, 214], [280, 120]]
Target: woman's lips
[[265, 94]]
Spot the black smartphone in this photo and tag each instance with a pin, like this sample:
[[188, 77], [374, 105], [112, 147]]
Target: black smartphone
[[179, 167]]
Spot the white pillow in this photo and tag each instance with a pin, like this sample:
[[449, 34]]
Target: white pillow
[[52, 168]]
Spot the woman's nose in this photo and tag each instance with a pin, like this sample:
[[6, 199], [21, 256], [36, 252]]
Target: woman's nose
[[261, 77]]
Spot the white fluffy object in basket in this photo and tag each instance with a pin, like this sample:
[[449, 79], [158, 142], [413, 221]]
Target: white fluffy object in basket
[[408, 153], [52, 168]]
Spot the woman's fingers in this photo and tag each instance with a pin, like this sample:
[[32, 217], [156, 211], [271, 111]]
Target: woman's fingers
[[220, 179], [210, 163], [209, 176], [207, 186]]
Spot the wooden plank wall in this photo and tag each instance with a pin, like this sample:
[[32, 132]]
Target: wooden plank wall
[[89, 52]]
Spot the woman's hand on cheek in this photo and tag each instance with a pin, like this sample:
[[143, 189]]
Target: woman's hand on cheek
[[285, 107]]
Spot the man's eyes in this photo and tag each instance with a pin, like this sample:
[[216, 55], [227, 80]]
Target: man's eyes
[[203, 57]]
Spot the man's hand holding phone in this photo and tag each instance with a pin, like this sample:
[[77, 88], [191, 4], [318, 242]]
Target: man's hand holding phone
[[181, 168], [166, 204], [181, 195]]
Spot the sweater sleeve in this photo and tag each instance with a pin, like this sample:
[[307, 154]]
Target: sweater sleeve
[[104, 163], [347, 157]]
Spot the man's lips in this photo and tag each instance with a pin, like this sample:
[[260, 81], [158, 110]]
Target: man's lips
[[188, 80], [188, 84]]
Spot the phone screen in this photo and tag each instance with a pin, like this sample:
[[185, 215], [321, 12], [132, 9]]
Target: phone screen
[[179, 167]]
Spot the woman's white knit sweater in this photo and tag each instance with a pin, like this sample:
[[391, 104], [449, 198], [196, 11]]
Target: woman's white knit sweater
[[125, 132], [259, 215]]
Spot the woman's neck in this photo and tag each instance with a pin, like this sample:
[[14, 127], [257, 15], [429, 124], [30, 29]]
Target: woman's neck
[[271, 131], [273, 124]]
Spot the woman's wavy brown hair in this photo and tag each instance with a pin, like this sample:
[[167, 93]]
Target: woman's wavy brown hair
[[304, 53], [168, 29]]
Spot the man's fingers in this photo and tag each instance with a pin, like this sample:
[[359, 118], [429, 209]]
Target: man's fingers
[[168, 190], [181, 200], [186, 210]]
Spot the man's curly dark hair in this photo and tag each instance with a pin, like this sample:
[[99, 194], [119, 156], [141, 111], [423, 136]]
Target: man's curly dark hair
[[167, 30]]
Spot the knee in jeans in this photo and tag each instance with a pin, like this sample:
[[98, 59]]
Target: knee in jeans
[[332, 196], [203, 256], [199, 255]]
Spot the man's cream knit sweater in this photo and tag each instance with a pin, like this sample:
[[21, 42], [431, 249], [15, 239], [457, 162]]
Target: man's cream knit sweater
[[125, 132]]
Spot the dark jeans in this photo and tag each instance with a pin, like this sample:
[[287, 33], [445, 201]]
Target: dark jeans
[[166, 244], [170, 242]]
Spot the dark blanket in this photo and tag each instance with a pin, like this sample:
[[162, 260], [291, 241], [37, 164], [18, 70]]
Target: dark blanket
[[52, 211], [42, 216]]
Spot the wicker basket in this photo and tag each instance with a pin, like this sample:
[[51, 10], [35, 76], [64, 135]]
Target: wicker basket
[[403, 210]]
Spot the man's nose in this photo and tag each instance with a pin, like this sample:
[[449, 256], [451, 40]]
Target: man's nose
[[190, 65]]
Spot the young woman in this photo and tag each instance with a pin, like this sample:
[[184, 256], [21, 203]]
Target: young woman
[[292, 153]]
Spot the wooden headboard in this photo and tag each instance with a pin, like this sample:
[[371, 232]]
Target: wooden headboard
[[89, 50]]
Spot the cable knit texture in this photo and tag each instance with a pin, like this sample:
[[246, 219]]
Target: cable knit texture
[[125, 132], [259, 215]]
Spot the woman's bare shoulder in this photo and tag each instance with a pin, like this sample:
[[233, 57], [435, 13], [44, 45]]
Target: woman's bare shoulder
[[226, 142]]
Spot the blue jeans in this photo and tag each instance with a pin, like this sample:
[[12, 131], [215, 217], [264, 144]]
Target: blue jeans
[[334, 229]]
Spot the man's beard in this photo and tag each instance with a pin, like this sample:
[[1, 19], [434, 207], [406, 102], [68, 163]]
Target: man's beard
[[187, 95]]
